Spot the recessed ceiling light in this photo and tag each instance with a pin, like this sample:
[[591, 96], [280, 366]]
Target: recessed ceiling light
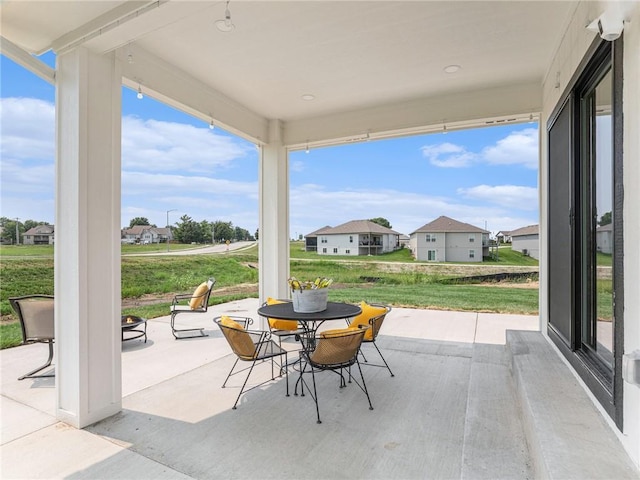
[[452, 68], [308, 97]]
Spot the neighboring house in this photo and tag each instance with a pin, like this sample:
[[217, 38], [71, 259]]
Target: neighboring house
[[503, 236], [404, 240], [448, 240], [311, 240], [357, 237], [604, 239], [39, 235], [526, 240], [146, 234]]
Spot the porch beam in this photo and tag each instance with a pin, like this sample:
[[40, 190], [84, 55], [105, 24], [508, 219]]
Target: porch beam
[[28, 61], [162, 81], [422, 115], [87, 254]]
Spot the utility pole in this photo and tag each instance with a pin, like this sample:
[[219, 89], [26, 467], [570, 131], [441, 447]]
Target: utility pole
[[17, 231], [169, 228]]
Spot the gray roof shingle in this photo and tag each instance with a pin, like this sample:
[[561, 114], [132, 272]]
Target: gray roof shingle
[[444, 224]]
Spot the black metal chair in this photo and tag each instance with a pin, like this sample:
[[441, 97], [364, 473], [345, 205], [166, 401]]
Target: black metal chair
[[198, 302], [283, 328], [250, 346], [373, 315], [36, 315], [335, 350]]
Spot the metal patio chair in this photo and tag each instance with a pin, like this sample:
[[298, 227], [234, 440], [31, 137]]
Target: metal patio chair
[[283, 328], [250, 346], [373, 315], [36, 315], [198, 302], [335, 350]]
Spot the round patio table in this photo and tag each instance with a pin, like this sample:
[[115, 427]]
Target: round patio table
[[310, 321]]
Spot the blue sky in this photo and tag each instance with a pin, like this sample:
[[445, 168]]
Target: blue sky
[[171, 161]]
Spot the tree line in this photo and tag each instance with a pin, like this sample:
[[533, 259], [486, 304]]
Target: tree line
[[188, 230], [9, 229]]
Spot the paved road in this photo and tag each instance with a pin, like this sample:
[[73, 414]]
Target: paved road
[[235, 246]]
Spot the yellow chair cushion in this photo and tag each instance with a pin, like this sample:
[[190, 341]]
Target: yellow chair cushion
[[279, 323], [197, 299], [368, 312], [230, 322], [238, 338], [336, 332]]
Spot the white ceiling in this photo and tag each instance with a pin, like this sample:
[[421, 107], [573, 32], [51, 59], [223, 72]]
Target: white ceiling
[[351, 55]]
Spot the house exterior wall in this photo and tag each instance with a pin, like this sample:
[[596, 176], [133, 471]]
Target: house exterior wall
[[355, 244], [569, 53], [459, 245], [530, 243], [604, 241], [421, 247]]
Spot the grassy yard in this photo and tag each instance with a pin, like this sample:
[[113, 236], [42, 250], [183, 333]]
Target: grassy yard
[[148, 283]]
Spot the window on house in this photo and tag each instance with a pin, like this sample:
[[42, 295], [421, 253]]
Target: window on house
[[472, 254], [335, 250], [350, 238], [431, 255], [324, 250], [431, 237], [472, 238], [347, 251]]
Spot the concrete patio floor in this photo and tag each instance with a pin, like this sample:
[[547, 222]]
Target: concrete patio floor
[[453, 410]]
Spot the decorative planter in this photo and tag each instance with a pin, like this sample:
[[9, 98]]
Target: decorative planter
[[309, 301]]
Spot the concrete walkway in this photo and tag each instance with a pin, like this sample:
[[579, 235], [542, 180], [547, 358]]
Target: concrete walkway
[[450, 411]]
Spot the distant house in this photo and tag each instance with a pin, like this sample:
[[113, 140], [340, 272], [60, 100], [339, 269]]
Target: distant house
[[526, 240], [604, 239], [39, 235], [448, 240], [146, 234], [357, 237], [311, 240], [503, 236]]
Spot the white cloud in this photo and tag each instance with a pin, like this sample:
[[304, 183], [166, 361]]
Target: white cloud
[[448, 155], [158, 146], [28, 129], [518, 148], [514, 196]]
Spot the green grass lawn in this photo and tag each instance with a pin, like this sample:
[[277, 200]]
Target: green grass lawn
[[47, 250], [359, 279]]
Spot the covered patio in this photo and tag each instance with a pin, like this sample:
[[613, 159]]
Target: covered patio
[[458, 407], [296, 75]]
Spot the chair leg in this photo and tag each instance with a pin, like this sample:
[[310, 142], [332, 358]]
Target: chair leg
[[364, 385], [315, 394], [230, 372], [175, 330], [31, 373], [382, 357], [253, 364]]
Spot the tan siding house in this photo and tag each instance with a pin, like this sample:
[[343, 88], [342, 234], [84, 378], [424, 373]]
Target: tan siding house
[[448, 240], [526, 240]]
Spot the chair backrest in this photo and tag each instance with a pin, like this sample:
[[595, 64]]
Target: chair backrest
[[337, 348], [279, 323], [200, 298], [373, 315], [240, 340], [36, 315]]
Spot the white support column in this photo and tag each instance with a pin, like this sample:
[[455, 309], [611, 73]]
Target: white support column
[[274, 216], [87, 253]]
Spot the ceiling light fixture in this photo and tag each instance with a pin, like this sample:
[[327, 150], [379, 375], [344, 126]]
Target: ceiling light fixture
[[308, 97], [307, 149], [211, 124], [452, 68], [444, 130], [225, 25], [531, 118], [140, 95]]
